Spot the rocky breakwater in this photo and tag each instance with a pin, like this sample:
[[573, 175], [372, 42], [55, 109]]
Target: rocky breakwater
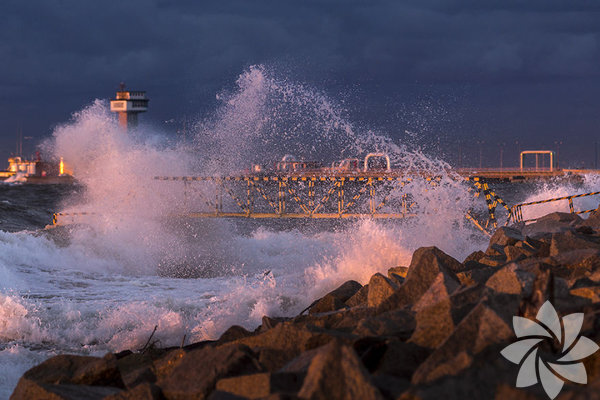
[[430, 330]]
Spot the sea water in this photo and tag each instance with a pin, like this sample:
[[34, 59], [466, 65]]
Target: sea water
[[104, 285]]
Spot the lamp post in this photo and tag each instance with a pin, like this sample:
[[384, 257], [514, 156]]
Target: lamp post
[[480, 143], [502, 156], [557, 143]]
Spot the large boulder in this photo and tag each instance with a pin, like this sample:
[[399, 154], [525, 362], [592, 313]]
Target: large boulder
[[260, 385], [487, 324], [335, 299], [552, 223], [198, 371], [380, 288], [504, 236], [65, 374], [568, 241], [337, 373], [426, 264]]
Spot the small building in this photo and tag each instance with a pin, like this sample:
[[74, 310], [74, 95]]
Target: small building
[[128, 104]]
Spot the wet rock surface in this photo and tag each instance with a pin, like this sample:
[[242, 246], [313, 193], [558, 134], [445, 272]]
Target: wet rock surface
[[432, 330]]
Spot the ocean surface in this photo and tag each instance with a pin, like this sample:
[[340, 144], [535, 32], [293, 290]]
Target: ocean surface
[[105, 284]]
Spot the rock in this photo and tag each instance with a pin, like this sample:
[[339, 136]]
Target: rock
[[28, 389], [360, 298], [510, 279], [220, 395], [514, 253], [136, 368], [401, 359], [472, 259], [198, 371], [593, 220], [493, 261], [441, 289], [271, 359], [434, 325], [504, 236], [397, 274], [476, 275], [335, 299], [590, 293], [346, 290], [426, 264], [552, 223], [336, 373], [568, 241], [391, 387], [77, 370], [396, 323], [232, 333], [145, 391], [380, 288], [326, 304], [259, 385], [487, 324], [269, 322], [291, 339], [165, 364]]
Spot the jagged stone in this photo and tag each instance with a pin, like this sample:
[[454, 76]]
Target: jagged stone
[[390, 386], [590, 293], [398, 274], [219, 395], [232, 333], [325, 304], [472, 259], [397, 323], [476, 275], [487, 324], [335, 299], [514, 253], [568, 241], [493, 261], [336, 373], [143, 391], [360, 298], [135, 368], [269, 322], [552, 223], [593, 220], [271, 359], [27, 389], [504, 236], [434, 325], [260, 385], [426, 264], [293, 338], [401, 359], [198, 371], [76, 370], [164, 365], [380, 288], [511, 279]]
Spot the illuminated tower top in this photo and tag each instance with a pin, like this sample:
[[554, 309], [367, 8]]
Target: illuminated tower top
[[128, 104]]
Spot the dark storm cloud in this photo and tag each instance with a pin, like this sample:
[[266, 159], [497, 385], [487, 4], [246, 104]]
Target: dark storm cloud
[[57, 55]]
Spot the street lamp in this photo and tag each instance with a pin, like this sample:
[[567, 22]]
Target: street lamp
[[557, 143], [480, 143]]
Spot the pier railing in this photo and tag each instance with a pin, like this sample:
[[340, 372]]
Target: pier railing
[[516, 211]]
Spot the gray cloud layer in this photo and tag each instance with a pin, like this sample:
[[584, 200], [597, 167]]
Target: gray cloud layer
[[57, 55]]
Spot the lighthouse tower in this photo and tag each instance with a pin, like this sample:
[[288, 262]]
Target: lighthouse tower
[[129, 104]]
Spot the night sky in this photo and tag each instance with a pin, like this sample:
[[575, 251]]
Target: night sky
[[457, 72]]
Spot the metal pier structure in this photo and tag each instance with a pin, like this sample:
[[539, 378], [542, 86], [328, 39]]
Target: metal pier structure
[[312, 197]]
